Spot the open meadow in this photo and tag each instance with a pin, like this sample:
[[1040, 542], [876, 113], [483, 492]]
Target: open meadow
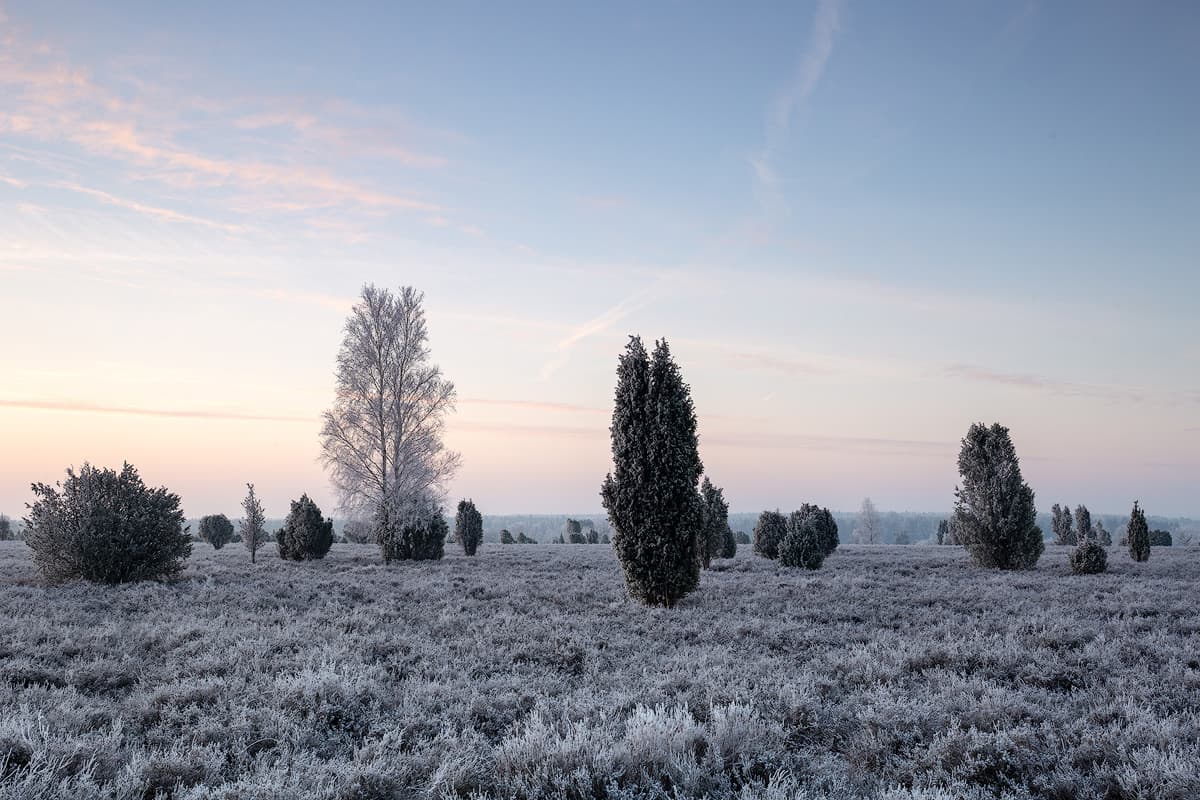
[[526, 672]]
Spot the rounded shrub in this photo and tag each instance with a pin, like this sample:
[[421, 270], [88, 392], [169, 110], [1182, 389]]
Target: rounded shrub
[[468, 527], [217, 530], [824, 524], [506, 537], [415, 530], [1088, 558], [306, 535], [106, 526], [804, 543], [769, 532]]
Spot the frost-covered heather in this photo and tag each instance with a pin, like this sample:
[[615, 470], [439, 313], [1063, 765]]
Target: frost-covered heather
[[525, 673]]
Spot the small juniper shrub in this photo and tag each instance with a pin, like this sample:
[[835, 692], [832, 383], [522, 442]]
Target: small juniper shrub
[[1088, 558], [769, 531], [803, 545], [108, 527], [413, 530], [217, 530], [468, 527], [306, 535], [1139, 534], [506, 537], [729, 543], [714, 521]]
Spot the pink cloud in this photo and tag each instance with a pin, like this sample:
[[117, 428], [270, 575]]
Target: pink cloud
[[93, 408]]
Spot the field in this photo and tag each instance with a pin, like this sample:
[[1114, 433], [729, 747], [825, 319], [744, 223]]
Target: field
[[525, 673]]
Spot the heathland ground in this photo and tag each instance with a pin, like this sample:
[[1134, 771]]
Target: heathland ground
[[897, 672]]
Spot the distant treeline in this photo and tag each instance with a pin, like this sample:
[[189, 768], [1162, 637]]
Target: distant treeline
[[897, 527]]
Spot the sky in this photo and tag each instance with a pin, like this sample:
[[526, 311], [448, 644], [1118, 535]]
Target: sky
[[862, 226]]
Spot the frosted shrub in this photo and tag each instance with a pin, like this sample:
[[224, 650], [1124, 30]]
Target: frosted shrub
[[728, 543], [714, 521], [744, 742], [768, 533], [1159, 538], [468, 527], [1139, 535], [328, 699], [541, 756], [1088, 558], [506, 537], [413, 530], [661, 740], [651, 495], [106, 527], [306, 535], [805, 544], [217, 530], [994, 513]]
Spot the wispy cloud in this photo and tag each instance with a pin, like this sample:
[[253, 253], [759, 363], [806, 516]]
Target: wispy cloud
[[602, 323], [533, 405], [839, 444], [1040, 383], [542, 431], [816, 55], [137, 411], [157, 212], [732, 439], [283, 160], [769, 362]]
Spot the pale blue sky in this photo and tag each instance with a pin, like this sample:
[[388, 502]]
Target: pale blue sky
[[862, 226]]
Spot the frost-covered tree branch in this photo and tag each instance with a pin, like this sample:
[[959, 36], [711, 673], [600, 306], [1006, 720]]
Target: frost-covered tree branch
[[382, 439]]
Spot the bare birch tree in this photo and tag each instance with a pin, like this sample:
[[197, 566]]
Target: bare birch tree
[[866, 527], [382, 439]]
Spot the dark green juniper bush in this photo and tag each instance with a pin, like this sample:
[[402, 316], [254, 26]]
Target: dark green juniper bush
[[994, 512], [651, 495], [1088, 558], [468, 527], [714, 521], [413, 530], [306, 534], [1139, 534], [217, 530], [1061, 524], [728, 543], [769, 532], [804, 544], [1083, 525], [107, 527]]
